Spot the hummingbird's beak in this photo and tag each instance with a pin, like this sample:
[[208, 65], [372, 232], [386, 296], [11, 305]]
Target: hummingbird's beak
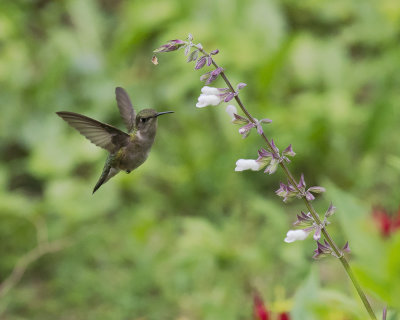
[[165, 112]]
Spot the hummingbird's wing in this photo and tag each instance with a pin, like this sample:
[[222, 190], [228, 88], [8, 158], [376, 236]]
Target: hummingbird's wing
[[126, 110], [101, 134]]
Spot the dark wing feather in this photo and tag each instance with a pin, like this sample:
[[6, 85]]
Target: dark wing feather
[[125, 108], [101, 134]]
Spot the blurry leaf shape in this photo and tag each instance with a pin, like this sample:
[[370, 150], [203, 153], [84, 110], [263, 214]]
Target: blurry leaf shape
[[72, 199], [54, 154], [306, 298], [342, 303], [88, 22], [138, 20], [394, 162], [377, 262]]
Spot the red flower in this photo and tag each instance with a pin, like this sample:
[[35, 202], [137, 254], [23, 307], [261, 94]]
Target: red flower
[[283, 316], [387, 223], [260, 311]]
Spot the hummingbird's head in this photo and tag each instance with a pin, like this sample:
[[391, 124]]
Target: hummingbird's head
[[146, 119]]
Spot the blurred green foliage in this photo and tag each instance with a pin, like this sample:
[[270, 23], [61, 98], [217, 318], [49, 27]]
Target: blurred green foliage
[[184, 236]]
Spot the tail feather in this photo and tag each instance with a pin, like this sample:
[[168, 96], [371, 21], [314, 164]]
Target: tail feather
[[107, 174]]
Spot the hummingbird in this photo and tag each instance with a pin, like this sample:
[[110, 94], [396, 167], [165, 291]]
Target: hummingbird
[[127, 151]]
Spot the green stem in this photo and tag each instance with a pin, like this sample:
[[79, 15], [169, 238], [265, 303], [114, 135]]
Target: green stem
[[308, 204]]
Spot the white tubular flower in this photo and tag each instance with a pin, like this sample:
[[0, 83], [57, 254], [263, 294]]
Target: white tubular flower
[[247, 164], [209, 97], [294, 235], [210, 90], [231, 110], [207, 100]]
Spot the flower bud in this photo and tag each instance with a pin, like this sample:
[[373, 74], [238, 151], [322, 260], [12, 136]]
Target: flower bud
[[231, 110]]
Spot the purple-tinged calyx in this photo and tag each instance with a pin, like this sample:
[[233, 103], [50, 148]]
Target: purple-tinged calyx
[[316, 189], [205, 76], [240, 85], [239, 119], [286, 191], [309, 196], [214, 75], [187, 49], [331, 210], [302, 184], [317, 233], [274, 147], [214, 52], [259, 127], [172, 45], [288, 152], [193, 56], [346, 247], [282, 191], [304, 220], [248, 125], [266, 158], [326, 249], [200, 63], [273, 165], [245, 130], [307, 223], [308, 193], [322, 250], [229, 96]]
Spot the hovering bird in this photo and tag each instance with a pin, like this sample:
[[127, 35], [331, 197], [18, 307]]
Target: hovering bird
[[127, 151]]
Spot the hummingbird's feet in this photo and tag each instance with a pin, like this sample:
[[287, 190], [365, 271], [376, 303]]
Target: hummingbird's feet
[[128, 171]]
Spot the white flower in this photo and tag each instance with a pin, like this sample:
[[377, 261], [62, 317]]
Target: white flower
[[210, 90], [247, 164], [205, 100], [294, 235], [230, 109], [209, 97]]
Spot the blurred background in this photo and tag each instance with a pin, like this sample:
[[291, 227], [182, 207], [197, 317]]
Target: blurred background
[[184, 236]]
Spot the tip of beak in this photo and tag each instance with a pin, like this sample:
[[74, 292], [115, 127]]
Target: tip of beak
[[165, 112]]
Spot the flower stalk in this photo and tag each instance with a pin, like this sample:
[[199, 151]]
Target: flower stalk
[[294, 187]]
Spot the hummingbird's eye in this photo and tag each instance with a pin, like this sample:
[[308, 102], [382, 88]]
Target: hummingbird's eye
[[143, 120]]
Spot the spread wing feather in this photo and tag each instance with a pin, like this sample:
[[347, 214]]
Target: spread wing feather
[[101, 134], [126, 110]]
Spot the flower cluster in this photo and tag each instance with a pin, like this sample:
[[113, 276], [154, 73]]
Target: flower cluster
[[326, 249], [287, 191], [172, 45], [307, 224], [268, 159], [211, 96], [246, 124]]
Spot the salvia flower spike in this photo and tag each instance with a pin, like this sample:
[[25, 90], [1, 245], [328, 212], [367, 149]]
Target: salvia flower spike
[[268, 157]]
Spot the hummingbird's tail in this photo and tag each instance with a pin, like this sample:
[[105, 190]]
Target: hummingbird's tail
[[107, 174]]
